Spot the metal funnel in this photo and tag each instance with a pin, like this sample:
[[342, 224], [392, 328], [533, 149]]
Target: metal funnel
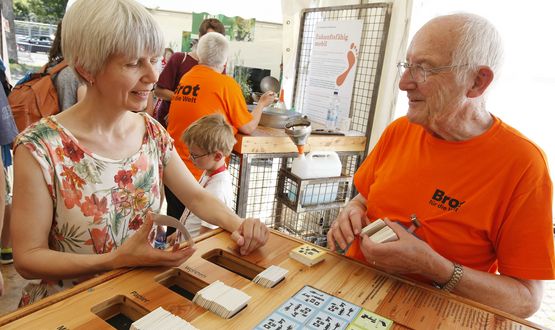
[[298, 130]]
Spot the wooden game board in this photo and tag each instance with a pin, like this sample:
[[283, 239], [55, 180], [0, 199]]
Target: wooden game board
[[136, 292]]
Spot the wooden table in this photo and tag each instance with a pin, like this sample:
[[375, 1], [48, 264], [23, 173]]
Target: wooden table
[[139, 291], [267, 142]]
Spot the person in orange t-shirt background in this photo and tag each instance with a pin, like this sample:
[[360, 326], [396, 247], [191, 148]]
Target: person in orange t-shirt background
[[178, 65], [480, 189], [202, 91]]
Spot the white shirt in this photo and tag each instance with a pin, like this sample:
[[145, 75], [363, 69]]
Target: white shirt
[[220, 185]]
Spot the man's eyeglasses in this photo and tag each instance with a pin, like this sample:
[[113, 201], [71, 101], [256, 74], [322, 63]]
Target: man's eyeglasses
[[195, 157], [418, 73]]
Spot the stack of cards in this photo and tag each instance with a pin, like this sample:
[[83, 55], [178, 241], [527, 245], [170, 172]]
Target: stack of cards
[[307, 254], [161, 319], [221, 299], [379, 232], [270, 276]]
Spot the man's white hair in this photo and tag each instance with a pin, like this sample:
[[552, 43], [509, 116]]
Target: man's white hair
[[93, 30], [479, 44], [212, 50]]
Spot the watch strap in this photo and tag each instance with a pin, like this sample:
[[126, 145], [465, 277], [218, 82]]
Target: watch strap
[[454, 280]]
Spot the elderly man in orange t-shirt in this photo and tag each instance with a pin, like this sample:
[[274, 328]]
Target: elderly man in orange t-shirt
[[202, 91], [480, 190]]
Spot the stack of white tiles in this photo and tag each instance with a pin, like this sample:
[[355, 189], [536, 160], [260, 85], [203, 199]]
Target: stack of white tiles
[[221, 299]]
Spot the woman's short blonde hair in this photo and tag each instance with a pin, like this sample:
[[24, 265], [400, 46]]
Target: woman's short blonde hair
[[211, 133], [96, 29]]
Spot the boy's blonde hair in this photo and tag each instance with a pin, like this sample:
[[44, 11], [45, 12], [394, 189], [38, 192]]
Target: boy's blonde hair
[[211, 133]]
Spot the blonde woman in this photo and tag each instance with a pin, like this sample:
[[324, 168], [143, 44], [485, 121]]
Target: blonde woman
[[87, 178]]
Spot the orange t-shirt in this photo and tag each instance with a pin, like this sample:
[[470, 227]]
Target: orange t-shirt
[[201, 92], [485, 203]]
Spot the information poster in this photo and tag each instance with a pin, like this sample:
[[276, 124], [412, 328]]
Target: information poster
[[332, 68]]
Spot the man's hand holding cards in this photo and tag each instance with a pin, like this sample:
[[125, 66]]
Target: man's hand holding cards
[[379, 232]]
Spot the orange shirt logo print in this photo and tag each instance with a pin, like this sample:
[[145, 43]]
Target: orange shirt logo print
[[187, 93], [442, 201]]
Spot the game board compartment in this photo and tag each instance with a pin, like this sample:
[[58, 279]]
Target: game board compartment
[[181, 283], [233, 263], [119, 311]]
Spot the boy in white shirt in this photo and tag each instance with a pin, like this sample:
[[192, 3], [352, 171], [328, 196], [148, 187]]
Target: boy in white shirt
[[210, 140]]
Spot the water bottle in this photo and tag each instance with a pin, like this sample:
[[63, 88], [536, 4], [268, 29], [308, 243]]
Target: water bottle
[[333, 112]]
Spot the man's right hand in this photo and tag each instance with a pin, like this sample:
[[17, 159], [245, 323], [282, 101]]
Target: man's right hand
[[267, 98], [349, 223]]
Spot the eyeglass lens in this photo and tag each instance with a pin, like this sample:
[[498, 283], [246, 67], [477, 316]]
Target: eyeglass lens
[[416, 72]]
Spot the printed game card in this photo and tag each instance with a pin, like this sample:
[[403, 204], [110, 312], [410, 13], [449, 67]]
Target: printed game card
[[326, 321], [312, 296], [369, 320], [278, 322], [307, 254], [342, 309], [296, 310], [311, 308], [309, 251]]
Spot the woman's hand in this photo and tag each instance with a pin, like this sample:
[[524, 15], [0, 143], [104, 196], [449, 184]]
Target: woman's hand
[[138, 251], [250, 235]]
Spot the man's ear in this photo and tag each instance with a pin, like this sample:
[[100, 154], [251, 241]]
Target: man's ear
[[482, 80]]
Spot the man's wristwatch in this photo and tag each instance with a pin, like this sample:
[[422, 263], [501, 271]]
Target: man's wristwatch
[[453, 281]]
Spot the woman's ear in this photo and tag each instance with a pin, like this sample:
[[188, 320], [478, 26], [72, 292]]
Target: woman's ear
[[84, 74], [482, 80]]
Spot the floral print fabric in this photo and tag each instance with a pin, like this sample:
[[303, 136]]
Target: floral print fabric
[[98, 202]]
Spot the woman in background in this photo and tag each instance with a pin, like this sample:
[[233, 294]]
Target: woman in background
[[68, 87], [168, 52], [177, 66]]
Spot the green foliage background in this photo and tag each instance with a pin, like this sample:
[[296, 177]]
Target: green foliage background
[[43, 11]]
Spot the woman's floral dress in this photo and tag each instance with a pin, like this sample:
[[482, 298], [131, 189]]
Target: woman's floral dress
[[98, 202]]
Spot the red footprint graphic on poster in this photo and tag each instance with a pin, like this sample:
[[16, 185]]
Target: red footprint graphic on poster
[[351, 60]]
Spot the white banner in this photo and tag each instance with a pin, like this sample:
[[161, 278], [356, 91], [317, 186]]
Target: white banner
[[332, 68]]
